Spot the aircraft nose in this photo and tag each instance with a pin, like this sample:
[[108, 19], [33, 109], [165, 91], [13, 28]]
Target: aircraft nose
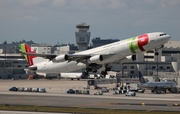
[[164, 39], [167, 38]]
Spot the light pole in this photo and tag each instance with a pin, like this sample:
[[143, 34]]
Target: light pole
[[5, 52], [156, 54], [122, 70], [146, 63]]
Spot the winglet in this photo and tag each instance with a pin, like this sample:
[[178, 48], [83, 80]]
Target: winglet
[[141, 78], [26, 48]]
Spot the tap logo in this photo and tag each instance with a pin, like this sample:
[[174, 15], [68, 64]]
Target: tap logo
[[137, 43], [142, 41], [27, 49]]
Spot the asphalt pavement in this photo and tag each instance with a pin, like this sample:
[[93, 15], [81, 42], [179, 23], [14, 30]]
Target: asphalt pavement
[[56, 96]]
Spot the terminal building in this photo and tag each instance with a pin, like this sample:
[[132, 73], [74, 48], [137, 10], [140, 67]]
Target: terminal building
[[97, 41], [12, 62]]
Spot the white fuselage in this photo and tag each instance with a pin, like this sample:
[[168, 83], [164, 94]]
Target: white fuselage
[[116, 51]]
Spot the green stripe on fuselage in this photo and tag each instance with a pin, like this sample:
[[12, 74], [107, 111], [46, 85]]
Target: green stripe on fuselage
[[133, 44]]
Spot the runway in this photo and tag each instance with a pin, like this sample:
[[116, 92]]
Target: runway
[[58, 97]]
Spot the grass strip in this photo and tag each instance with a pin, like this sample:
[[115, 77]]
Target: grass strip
[[77, 110]]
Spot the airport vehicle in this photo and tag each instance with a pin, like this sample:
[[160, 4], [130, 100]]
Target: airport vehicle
[[78, 91], [157, 87], [116, 92], [21, 89], [135, 87], [104, 90], [141, 90], [28, 89], [35, 89], [42, 90], [13, 89], [130, 93], [96, 58], [85, 91], [70, 91], [86, 87], [98, 93]]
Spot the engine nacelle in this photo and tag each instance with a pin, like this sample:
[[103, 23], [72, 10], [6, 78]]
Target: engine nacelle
[[128, 58], [96, 58], [61, 58]]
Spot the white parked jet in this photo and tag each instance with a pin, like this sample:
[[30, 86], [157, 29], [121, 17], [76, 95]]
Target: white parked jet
[[96, 58], [157, 86]]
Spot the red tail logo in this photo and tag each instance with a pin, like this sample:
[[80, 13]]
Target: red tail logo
[[27, 49]]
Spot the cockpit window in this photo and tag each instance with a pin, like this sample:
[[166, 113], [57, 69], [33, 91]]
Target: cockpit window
[[162, 34]]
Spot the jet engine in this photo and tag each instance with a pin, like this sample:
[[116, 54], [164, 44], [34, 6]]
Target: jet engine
[[95, 58], [128, 59], [61, 58]]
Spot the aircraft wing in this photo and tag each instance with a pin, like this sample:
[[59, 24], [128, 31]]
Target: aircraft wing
[[71, 57], [46, 56], [83, 57]]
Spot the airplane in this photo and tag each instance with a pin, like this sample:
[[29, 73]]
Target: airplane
[[83, 75], [72, 75], [157, 87], [78, 76], [96, 58]]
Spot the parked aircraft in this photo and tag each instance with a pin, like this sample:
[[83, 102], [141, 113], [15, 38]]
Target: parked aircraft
[[83, 75], [157, 86], [96, 58], [72, 75]]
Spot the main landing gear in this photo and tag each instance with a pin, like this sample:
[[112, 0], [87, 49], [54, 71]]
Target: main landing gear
[[104, 73], [94, 67]]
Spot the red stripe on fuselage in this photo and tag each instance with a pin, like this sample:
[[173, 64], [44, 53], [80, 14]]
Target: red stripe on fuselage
[[142, 41]]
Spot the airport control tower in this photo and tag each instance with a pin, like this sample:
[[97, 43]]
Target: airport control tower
[[82, 36]]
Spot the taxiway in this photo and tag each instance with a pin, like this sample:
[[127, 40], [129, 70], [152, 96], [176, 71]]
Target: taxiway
[[56, 96]]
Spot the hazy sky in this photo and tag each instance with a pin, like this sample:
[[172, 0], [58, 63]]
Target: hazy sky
[[50, 21]]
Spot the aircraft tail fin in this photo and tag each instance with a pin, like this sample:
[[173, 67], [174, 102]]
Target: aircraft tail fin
[[141, 78], [27, 49]]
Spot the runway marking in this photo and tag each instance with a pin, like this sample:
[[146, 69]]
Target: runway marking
[[146, 104], [18, 98], [102, 97], [176, 104], [143, 104], [150, 110], [120, 97], [107, 103], [94, 104]]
